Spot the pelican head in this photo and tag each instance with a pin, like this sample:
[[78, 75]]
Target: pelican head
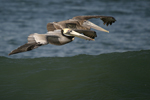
[[70, 32]]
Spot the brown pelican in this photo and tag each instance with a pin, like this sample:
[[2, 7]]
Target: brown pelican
[[81, 23], [56, 37]]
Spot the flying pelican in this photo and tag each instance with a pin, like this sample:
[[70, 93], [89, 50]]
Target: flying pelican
[[81, 23], [60, 33], [56, 37]]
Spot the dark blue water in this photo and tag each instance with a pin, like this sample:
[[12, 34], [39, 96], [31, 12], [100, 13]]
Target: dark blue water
[[114, 66], [20, 18]]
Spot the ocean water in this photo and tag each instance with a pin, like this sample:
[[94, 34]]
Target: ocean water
[[115, 66], [111, 76]]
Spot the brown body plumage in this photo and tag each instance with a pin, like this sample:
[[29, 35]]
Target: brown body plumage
[[81, 23]]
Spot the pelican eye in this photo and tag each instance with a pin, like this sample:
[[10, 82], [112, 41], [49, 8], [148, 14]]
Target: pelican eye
[[69, 30]]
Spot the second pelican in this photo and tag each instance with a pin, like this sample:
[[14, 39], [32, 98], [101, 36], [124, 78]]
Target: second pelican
[[81, 22]]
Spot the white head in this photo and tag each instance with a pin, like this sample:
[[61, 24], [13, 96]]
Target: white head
[[70, 32]]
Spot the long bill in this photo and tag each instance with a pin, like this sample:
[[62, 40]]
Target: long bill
[[79, 35], [92, 25]]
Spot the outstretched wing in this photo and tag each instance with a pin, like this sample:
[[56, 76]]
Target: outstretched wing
[[24, 48], [32, 44], [108, 20]]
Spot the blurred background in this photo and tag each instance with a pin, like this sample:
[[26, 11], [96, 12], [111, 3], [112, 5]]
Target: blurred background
[[20, 18]]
